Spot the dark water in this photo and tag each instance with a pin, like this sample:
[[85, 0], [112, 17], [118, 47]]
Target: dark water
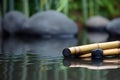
[[41, 59]]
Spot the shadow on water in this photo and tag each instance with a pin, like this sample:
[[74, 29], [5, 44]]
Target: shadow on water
[[41, 59]]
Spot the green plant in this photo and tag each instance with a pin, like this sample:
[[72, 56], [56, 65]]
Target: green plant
[[26, 7], [76, 9]]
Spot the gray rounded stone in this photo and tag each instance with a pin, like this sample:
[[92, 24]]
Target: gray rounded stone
[[97, 21], [114, 26], [50, 23], [13, 21]]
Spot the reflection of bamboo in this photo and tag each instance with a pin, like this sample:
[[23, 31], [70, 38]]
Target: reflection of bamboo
[[97, 75], [88, 48], [37, 72], [88, 76], [11, 69], [106, 61], [82, 73], [25, 67], [65, 77], [43, 71], [97, 67], [88, 64], [5, 71], [56, 72], [40, 71], [105, 52]]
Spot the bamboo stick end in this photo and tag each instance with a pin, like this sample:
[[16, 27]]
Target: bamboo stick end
[[66, 52]]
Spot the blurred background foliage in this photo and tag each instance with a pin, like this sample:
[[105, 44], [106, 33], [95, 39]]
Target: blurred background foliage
[[78, 10]]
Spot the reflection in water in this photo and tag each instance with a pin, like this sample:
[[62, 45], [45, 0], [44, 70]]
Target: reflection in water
[[26, 69], [33, 69], [97, 37], [42, 60], [88, 70], [92, 37], [40, 47], [97, 64], [38, 59], [0, 46]]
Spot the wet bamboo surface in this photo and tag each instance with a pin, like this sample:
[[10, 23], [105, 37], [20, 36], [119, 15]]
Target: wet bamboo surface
[[108, 52], [88, 48]]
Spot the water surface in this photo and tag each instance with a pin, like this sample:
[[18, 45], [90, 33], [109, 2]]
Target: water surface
[[41, 59]]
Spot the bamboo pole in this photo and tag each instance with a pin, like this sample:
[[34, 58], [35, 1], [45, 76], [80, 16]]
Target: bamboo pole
[[91, 8], [11, 5], [66, 8], [26, 7], [4, 9], [78, 50], [37, 5], [115, 51], [97, 6], [85, 9]]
